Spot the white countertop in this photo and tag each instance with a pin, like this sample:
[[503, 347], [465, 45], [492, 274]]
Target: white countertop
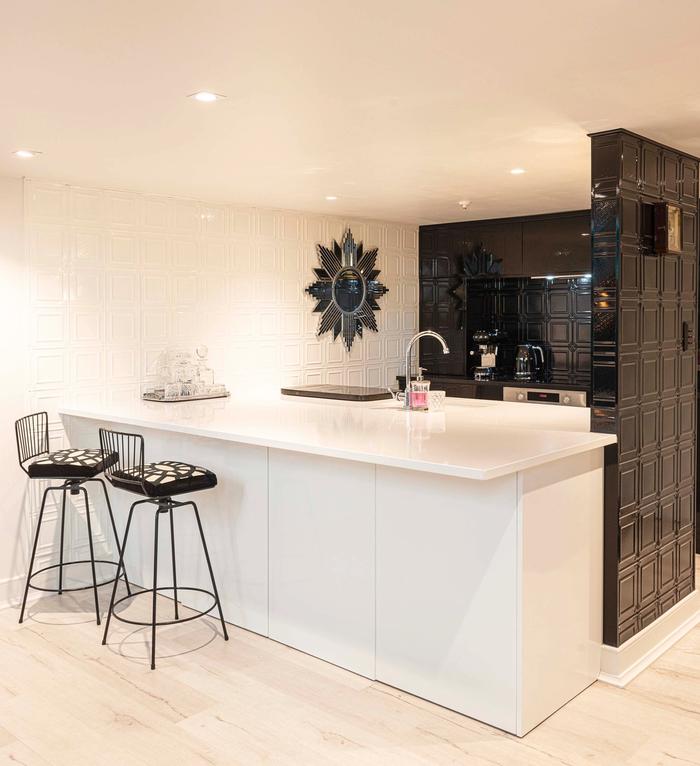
[[473, 439]]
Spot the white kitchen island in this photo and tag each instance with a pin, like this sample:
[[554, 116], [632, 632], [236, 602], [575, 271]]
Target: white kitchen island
[[455, 555]]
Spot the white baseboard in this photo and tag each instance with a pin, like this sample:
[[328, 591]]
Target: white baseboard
[[11, 591], [619, 665]]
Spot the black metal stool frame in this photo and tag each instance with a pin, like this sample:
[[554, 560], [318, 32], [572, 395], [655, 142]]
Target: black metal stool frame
[[130, 449], [32, 433]]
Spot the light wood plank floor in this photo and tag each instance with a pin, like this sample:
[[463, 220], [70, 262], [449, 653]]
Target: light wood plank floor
[[67, 700]]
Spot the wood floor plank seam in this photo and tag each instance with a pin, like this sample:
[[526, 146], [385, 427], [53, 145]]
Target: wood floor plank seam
[[65, 699]]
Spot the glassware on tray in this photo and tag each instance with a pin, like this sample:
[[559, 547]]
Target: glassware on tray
[[177, 375]]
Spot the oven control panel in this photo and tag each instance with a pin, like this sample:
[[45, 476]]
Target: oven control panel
[[544, 396]]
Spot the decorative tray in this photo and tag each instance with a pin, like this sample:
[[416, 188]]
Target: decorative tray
[[156, 396]]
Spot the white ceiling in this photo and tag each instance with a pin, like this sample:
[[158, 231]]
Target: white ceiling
[[399, 107]]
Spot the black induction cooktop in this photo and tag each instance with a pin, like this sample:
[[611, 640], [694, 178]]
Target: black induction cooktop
[[343, 393]]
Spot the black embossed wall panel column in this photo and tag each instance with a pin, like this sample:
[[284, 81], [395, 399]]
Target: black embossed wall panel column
[[644, 375]]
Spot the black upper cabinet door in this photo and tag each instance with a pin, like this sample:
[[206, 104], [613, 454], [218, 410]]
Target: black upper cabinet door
[[650, 176], [689, 181], [671, 176], [631, 161], [504, 240], [557, 246], [442, 266]]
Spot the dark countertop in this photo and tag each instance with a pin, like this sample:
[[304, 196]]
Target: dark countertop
[[517, 383], [500, 383]]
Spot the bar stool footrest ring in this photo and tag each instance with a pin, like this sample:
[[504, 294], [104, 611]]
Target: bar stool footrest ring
[[159, 623], [67, 564]]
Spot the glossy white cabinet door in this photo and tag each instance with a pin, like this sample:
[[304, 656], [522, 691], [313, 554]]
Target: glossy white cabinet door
[[447, 591], [322, 557], [489, 594], [560, 510]]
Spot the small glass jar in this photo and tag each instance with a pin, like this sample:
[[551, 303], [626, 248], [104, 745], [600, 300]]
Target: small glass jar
[[436, 401]]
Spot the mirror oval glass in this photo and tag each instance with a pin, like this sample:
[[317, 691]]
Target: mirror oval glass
[[349, 290]]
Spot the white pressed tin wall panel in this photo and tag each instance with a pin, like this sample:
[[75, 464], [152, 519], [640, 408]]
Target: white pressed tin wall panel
[[114, 277]]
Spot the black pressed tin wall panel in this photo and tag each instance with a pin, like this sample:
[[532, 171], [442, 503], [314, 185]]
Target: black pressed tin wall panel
[[644, 377]]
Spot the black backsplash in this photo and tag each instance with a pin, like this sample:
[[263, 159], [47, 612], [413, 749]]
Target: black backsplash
[[555, 314]]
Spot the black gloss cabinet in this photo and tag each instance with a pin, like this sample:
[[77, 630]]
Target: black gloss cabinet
[[525, 246], [502, 238], [557, 246], [438, 309]]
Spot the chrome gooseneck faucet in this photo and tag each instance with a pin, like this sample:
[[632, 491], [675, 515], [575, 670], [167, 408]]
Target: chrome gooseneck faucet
[[409, 348]]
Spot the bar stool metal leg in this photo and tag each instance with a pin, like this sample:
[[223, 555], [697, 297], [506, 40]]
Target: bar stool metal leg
[[114, 530], [92, 554], [73, 468], [172, 549], [211, 571], [119, 569], [152, 481], [63, 526], [33, 556], [155, 593]]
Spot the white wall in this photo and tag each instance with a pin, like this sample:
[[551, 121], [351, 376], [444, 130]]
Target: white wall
[[113, 277], [12, 375]]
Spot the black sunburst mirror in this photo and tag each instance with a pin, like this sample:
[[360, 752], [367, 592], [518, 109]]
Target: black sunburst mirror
[[346, 289]]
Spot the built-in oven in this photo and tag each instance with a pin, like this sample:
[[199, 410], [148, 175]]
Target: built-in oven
[[544, 396]]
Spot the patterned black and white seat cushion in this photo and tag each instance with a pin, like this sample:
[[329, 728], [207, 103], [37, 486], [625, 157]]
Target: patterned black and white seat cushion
[[165, 479], [70, 464]]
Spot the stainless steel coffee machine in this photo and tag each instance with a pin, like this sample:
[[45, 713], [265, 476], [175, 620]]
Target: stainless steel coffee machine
[[487, 341]]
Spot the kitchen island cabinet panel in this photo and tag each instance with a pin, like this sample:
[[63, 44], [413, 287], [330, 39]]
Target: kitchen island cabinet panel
[[476, 608], [322, 558], [411, 548], [444, 566]]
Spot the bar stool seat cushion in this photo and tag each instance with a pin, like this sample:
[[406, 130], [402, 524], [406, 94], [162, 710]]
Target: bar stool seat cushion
[[70, 464], [164, 479]]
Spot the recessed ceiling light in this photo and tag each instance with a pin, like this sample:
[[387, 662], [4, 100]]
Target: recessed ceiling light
[[206, 96], [331, 198], [517, 171], [26, 154]]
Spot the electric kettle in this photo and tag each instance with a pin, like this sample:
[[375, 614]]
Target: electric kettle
[[529, 362]]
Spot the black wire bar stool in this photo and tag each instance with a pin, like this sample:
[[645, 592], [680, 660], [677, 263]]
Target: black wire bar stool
[[158, 482], [74, 467]]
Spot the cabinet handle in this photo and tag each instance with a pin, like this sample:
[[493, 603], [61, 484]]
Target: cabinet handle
[[562, 253]]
